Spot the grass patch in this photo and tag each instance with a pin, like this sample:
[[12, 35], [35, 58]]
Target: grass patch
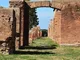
[[44, 42], [60, 53]]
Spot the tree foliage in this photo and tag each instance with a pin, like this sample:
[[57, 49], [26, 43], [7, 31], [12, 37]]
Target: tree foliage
[[44, 32], [1, 7], [33, 20]]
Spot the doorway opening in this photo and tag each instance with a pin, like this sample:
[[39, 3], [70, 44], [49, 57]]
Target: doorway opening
[[40, 30]]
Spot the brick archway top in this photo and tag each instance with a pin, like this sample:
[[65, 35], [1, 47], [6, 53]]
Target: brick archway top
[[52, 4]]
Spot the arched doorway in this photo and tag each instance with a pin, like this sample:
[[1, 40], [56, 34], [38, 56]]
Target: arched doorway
[[26, 20]]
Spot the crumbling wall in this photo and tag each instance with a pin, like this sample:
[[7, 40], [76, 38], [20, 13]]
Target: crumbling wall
[[70, 24], [54, 30], [64, 27], [34, 33], [7, 27], [50, 29], [57, 26]]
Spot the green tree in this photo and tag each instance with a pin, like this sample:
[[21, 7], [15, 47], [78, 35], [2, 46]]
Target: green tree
[[44, 32], [1, 7], [33, 20]]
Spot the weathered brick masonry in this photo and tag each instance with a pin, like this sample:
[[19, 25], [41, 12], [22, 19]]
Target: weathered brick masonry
[[65, 25], [7, 31], [70, 24], [34, 33], [54, 30], [14, 23]]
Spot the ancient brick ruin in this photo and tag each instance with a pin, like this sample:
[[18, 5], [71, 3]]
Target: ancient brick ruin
[[64, 28], [54, 29], [7, 31], [14, 23], [34, 33]]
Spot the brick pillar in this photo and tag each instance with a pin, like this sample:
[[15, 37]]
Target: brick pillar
[[7, 31], [19, 4], [24, 20], [26, 25]]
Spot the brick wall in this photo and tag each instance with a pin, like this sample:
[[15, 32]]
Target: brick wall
[[7, 31], [64, 28], [54, 30], [34, 33], [70, 24]]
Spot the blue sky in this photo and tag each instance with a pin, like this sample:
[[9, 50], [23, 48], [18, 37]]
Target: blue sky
[[44, 14], [4, 3]]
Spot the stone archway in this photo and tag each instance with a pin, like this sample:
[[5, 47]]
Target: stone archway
[[17, 18], [66, 10], [24, 9], [55, 5]]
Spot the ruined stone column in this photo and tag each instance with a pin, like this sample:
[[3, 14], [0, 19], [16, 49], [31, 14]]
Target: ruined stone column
[[24, 20]]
